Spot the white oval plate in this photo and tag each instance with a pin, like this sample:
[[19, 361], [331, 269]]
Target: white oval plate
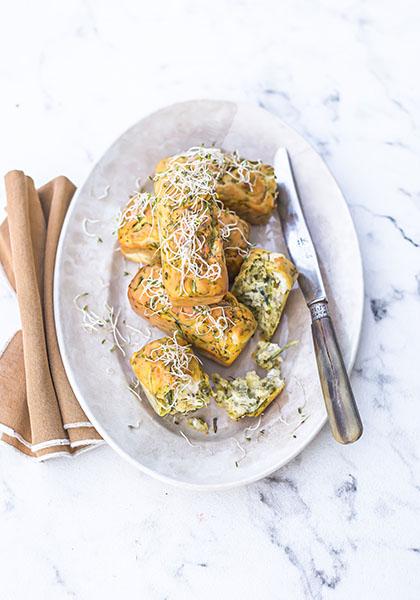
[[100, 378]]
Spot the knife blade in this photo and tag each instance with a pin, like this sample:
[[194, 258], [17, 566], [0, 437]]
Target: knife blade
[[296, 233], [342, 410]]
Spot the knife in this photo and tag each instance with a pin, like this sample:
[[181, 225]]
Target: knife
[[342, 410]]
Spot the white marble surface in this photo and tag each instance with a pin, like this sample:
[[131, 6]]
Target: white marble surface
[[338, 522]]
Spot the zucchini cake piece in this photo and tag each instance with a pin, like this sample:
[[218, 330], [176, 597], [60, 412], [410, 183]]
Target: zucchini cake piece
[[247, 187], [171, 376], [235, 238], [198, 424], [247, 396], [267, 355], [191, 248], [139, 237], [137, 230], [263, 284], [193, 261], [221, 331], [148, 298], [193, 173]]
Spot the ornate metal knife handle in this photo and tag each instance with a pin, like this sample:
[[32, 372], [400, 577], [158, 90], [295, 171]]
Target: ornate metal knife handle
[[343, 413]]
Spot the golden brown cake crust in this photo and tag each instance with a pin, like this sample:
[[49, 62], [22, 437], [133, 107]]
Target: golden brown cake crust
[[221, 331]]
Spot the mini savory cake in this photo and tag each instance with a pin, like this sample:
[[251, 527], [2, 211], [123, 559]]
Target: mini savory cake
[[191, 174], [148, 298], [171, 376], [235, 237], [193, 261], [263, 284], [221, 331], [137, 230], [247, 187], [191, 247], [247, 396], [139, 237]]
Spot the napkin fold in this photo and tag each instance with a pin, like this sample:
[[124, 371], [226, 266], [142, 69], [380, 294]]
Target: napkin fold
[[39, 413]]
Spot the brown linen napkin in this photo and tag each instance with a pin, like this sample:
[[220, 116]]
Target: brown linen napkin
[[39, 413]]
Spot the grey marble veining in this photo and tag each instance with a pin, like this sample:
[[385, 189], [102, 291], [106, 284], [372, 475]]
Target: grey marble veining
[[337, 522]]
